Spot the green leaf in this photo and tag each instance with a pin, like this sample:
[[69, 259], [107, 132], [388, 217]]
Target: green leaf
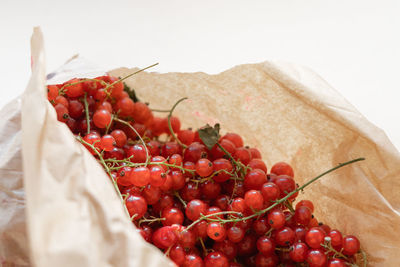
[[209, 135]]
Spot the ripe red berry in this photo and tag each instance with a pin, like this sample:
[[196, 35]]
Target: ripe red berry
[[350, 245], [102, 118], [73, 88], [276, 218], [204, 167], [216, 231], [234, 138], [164, 237], [298, 253], [282, 168], [177, 254], [194, 208], [223, 168], [315, 237], [186, 136], [302, 215], [120, 137], [254, 179], [193, 260], [258, 164], [306, 203], [140, 176], [62, 112], [107, 142], [152, 194], [270, 192], [316, 258], [336, 238], [215, 259], [265, 245], [194, 152], [235, 234], [172, 216], [335, 262], [136, 206], [284, 236], [157, 175], [254, 200]]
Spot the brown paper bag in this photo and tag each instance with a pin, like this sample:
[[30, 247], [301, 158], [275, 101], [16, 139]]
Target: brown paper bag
[[74, 217]]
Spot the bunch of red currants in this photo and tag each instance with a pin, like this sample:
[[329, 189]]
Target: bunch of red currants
[[201, 198]]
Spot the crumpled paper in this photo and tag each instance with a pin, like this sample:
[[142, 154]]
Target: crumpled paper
[[74, 217]]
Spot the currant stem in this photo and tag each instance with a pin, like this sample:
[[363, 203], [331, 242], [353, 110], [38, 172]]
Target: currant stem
[[169, 122], [176, 194], [82, 81], [127, 76], [87, 113], [278, 202], [231, 158], [141, 139]]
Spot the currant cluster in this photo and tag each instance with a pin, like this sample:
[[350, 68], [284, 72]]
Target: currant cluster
[[201, 198]]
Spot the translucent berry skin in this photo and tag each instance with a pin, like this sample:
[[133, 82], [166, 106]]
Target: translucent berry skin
[[234, 138], [336, 263], [298, 252], [194, 208], [120, 137], [336, 238], [316, 258], [102, 118], [194, 152], [350, 245], [266, 261], [172, 216], [216, 231], [270, 192], [223, 167], [302, 215], [284, 236], [177, 254], [265, 245], [73, 90], [136, 205], [254, 200], [216, 258], [276, 219], [62, 112], [227, 247], [315, 237], [235, 234], [305, 203], [254, 179], [140, 176], [193, 260], [164, 237], [258, 164], [282, 168], [204, 167]]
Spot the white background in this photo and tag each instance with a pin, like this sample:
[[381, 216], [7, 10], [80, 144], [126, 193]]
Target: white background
[[354, 45]]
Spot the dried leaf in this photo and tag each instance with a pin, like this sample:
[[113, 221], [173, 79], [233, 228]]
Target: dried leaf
[[209, 135]]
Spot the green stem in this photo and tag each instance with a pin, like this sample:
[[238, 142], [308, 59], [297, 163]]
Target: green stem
[[141, 140], [81, 81], [180, 199], [87, 113], [231, 158], [126, 77], [278, 202], [169, 122]]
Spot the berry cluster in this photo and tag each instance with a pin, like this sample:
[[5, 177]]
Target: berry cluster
[[203, 199]]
